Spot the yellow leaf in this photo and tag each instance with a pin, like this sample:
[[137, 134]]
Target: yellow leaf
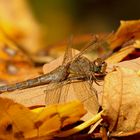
[[18, 122], [15, 120]]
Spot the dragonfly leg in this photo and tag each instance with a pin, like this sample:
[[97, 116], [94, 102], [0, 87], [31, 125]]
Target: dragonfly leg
[[93, 78]]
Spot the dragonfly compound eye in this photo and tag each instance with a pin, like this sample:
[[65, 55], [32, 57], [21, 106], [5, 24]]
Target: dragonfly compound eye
[[99, 66], [103, 67]]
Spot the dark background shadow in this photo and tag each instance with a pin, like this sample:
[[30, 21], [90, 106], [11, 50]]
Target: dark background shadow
[[61, 18]]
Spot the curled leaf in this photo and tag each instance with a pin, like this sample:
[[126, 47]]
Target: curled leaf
[[121, 101], [128, 30]]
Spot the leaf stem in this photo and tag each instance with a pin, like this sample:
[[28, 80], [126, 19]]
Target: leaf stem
[[80, 127]]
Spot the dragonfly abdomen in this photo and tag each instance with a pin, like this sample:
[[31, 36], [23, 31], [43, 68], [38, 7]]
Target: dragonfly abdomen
[[57, 75]]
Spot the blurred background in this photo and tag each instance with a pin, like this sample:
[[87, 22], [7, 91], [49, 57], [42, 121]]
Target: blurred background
[[46, 24], [61, 18]]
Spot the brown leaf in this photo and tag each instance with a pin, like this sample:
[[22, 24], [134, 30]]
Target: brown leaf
[[128, 30], [120, 55], [121, 100], [123, 52], [133, 64]]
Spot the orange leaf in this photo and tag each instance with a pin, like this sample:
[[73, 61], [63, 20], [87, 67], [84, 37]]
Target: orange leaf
[[128, 30], [18, 122]]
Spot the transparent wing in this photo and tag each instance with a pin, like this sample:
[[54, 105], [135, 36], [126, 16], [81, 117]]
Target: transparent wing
[[94, 44], [70, 90], [58, 91], [68, 52], [84, 91], [87, 95]]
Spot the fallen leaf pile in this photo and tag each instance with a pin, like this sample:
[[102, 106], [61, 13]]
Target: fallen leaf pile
[[109, 109]]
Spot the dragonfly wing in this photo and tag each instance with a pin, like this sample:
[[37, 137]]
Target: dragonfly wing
[[68, 53], [57, 93], [84, 90], [86, 95], [96, 42]]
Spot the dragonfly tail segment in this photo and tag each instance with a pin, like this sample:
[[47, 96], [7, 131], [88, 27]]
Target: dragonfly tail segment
[[57, 75]]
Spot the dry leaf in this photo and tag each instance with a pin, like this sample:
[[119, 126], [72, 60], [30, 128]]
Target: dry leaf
[[18, 122], [133, 64], [52, 118], [120, 55], [15, 120], [127, 37], [121, 101], [128, 30]]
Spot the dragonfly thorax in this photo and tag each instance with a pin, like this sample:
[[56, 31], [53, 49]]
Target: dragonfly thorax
[[80, 66]]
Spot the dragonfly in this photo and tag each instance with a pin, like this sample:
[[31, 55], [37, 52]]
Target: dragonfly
[[78, 66], [72, 69]]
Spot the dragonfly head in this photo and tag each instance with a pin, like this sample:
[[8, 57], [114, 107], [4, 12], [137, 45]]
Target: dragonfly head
[[99, 66]]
